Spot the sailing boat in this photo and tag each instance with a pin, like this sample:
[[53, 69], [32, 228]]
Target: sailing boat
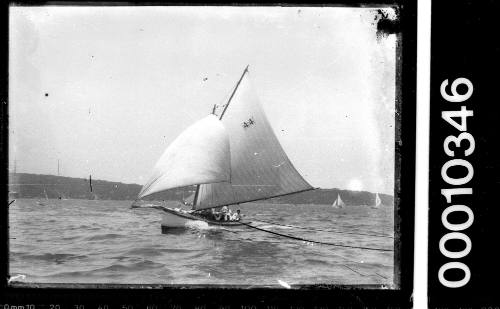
[[378, 202], [231, 155], [46, 199], [338, 203]]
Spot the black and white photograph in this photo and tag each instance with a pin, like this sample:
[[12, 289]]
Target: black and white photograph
[[205, 145]]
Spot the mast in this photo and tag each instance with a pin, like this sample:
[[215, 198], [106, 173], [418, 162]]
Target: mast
[[195, 200], [234, 91]]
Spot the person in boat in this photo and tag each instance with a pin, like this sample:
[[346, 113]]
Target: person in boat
[[235, 216], [217, 215], [226, 213], [206, 213]]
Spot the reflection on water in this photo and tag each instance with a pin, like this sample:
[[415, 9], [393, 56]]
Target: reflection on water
[[107, 242]]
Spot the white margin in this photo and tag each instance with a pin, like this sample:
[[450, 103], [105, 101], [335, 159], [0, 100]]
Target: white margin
[[422, 155]]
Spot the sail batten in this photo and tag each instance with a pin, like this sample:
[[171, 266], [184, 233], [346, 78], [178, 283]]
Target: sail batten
[[260, 169]]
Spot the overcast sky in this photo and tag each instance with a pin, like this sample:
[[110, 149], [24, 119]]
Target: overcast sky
[[105, 90]]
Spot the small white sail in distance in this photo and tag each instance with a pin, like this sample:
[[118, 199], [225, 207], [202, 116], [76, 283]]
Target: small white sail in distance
[[200, 154], [378, 202], [338, 203]]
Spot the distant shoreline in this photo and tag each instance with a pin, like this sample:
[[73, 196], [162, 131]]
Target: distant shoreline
[[37, 186], [177, 202]]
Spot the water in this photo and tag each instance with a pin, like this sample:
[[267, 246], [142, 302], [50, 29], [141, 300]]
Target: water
[[82, 241]]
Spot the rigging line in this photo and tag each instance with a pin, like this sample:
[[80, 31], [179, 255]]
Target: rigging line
[[354, 270], [263, 198], [363, 274], [381, 275], [314, 241], [327, 230]]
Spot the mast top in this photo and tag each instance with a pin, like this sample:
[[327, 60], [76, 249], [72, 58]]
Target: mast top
[[234, 91]]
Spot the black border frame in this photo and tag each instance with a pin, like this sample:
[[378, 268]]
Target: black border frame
[[214, 297], [462, 45]]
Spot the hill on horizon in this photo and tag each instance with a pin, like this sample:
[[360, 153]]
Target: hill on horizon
[[25, 185]]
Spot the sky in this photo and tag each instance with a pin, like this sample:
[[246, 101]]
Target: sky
[[105, 90]]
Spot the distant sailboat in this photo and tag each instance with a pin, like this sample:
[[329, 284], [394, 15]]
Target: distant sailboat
[[46, 199], [378, 202], [232, 155], [338, 203]]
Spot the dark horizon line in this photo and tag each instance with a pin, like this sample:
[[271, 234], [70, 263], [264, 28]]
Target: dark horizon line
[[316, 188], [74, 177]]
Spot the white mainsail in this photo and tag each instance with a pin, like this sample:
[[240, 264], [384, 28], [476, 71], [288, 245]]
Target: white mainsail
[[338, 203], [260, 168], [199, 155]]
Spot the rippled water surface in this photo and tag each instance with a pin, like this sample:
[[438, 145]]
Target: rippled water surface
[[83, 241]]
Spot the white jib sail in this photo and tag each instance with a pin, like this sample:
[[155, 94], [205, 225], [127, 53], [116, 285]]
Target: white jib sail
[[199, 155], [259, 167], [335, 203], [338, 203]]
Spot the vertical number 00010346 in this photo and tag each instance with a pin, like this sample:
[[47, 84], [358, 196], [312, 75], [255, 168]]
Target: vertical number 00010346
[[465, 142]]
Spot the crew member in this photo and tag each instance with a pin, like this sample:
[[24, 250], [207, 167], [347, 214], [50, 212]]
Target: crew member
[[216, 214], [225, 213]]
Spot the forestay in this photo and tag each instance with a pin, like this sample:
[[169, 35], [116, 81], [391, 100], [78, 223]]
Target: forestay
[[259, 167], [199, 155]]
